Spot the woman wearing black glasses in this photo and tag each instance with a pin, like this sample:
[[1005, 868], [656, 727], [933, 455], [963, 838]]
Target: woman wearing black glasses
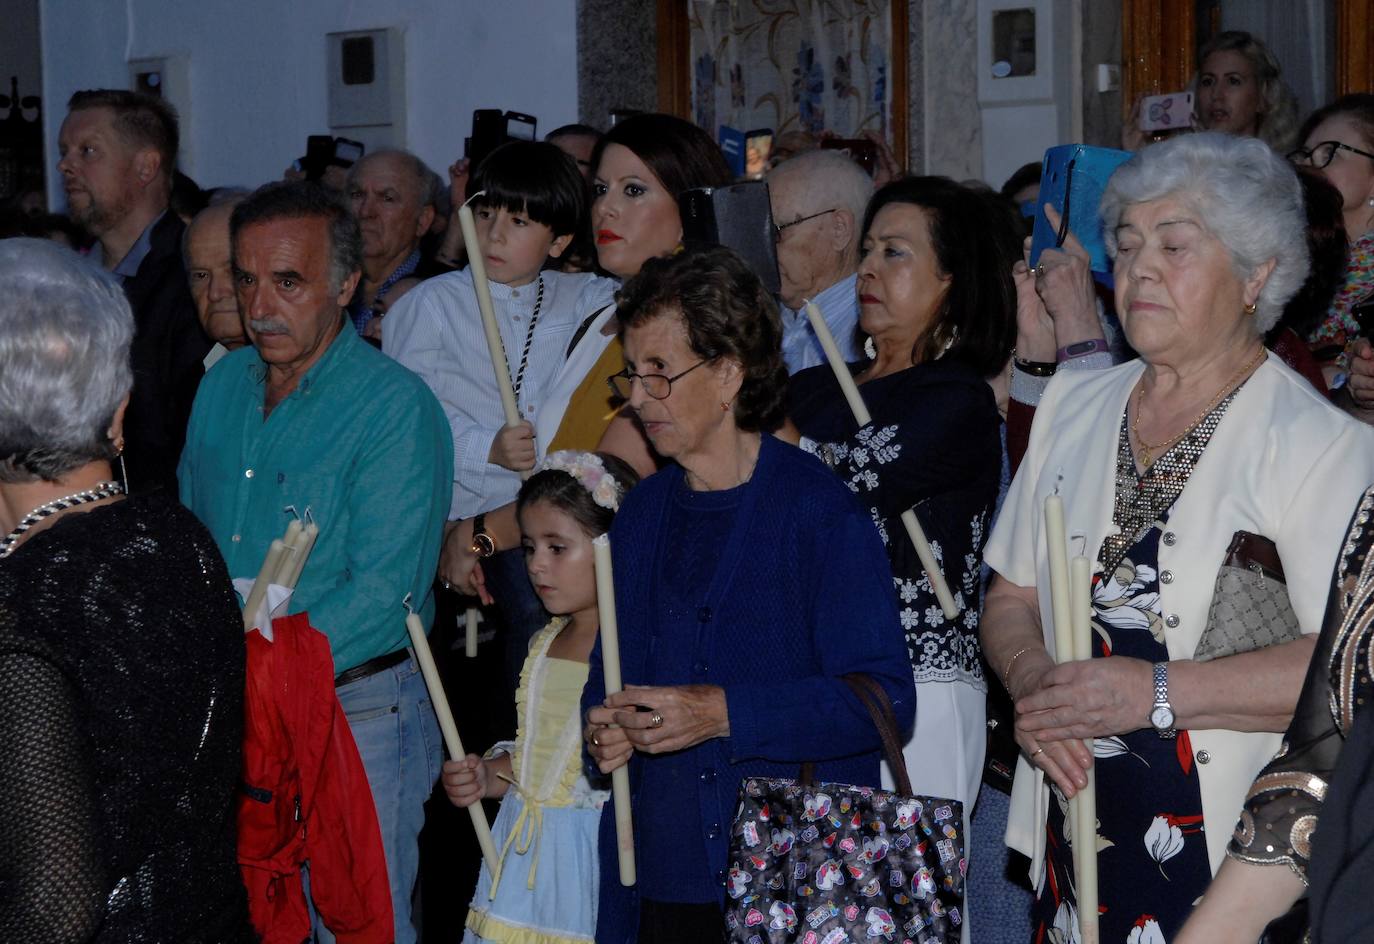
[[748, 580], [1338, 141]]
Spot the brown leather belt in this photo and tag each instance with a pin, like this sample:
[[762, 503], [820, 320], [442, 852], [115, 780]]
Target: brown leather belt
[[371, 667]]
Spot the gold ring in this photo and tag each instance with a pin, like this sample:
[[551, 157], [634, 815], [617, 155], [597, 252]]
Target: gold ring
[[656, 720], [595, 742], [1034, 753]]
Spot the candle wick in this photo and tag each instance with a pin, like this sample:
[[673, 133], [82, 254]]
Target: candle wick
[[406, 604], [291, 510], [469, 200]]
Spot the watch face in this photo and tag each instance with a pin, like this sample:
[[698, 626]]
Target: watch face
[[1162, 717]]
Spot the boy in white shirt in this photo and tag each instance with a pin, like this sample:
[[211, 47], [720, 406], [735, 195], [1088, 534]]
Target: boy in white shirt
[[533, 203]]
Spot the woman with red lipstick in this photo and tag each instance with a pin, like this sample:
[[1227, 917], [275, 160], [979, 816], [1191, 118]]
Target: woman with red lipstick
[[1201, 461], [937, 304]]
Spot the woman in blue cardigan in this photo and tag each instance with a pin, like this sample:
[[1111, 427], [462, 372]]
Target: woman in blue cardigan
[[748, 581]]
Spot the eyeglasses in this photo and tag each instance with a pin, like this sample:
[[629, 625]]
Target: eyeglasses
[[655, 385], [1320, 155], [779, 227]]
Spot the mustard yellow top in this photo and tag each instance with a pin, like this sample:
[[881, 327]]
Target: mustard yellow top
[[590, 409]]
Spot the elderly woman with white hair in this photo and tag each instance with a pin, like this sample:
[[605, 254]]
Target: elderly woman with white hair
[[121, 647], [1177, 471]]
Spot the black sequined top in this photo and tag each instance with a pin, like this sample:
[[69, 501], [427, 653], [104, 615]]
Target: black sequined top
[[121, 719]]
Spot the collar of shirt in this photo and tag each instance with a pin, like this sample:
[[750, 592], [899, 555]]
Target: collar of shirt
[[128, 266], [839, 306], [359, 309]]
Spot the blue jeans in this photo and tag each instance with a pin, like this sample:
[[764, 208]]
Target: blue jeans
[[397, 734]]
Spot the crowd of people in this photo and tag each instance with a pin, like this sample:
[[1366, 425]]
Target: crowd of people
[[188, 377]]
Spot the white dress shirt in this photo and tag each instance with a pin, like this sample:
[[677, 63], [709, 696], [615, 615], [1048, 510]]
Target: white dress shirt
[[436, 331], [839, 305]]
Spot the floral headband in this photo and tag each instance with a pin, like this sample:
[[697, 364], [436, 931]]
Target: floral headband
[[590, 473]]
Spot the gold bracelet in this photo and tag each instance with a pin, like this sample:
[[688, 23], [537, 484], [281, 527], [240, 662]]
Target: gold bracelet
[[1006, 676]]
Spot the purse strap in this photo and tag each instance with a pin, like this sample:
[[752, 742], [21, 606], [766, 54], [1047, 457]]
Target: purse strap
[[874, 699]]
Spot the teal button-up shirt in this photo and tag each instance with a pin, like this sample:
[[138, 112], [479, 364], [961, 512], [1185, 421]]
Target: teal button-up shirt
[[365, 446]]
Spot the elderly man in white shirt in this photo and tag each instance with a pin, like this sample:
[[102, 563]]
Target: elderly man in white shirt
[[818, 201]]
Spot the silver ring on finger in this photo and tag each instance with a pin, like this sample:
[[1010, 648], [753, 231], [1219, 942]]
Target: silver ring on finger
[[595, 741], [656, 720]]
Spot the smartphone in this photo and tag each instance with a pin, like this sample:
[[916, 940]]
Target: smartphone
[[1166, 112], [520, 126], [861, 150], [347, 152], [319, 151], [738, 217], [758, 146], [492, 127]]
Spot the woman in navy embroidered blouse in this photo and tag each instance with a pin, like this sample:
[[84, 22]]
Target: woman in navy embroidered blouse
[[937, 302], [748, 580]]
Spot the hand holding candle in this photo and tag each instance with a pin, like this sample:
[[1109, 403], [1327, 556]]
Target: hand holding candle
[[863, 418], [610, 660], [482, 288], [439, 699]]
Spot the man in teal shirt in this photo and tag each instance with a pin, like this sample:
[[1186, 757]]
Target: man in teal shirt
[[310, 416]]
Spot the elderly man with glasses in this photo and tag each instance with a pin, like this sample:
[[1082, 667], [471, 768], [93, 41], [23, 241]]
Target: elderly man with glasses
[[818, 202]]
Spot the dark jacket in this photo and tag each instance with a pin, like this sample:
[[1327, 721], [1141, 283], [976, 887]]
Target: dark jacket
[[168, 350]]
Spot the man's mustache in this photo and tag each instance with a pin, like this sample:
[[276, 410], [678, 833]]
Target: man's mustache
[[269, 326]]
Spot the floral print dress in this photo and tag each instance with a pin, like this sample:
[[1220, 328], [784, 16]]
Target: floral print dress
[[1152, 855]]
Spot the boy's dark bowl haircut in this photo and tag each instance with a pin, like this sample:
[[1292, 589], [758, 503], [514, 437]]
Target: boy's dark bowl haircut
[[536, 179]]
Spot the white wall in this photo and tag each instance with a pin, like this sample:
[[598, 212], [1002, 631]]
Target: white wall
[[257, 70]]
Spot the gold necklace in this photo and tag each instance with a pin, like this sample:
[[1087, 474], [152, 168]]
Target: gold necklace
[[1147, 450]]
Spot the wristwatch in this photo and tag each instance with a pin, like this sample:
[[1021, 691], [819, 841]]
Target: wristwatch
[[1162, 714], [483, 545]]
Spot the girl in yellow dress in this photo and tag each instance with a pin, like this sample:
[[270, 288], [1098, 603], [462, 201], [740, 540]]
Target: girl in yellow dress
[[544, 889]]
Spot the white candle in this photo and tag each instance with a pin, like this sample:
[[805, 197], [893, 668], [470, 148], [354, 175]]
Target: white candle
[[270, 564], [863, 418], [301, 544], [1061, 605], [470, 620], [610, 660], [439, 699], [1085, 824], [495, 347]]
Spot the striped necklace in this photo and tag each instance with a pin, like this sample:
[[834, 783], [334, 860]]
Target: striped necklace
[[101, 490]]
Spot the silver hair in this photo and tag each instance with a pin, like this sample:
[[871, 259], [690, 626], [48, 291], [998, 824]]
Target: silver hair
[[65, 330], [427, 183], [831, 178], [1245, 194]]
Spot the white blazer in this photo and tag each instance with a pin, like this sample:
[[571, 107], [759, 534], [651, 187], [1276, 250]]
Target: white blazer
[[1283, 463]]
